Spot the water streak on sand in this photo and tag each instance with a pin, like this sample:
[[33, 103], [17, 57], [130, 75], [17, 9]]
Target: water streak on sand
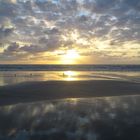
[[9, 77]]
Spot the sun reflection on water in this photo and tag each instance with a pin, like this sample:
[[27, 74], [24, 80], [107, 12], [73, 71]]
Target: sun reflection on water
[[72, 101], [70, 75]]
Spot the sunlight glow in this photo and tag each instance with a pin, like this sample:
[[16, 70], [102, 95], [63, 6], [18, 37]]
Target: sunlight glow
[[69, 73], [70, 57], [71, 54], [1, 50], [73, 101]]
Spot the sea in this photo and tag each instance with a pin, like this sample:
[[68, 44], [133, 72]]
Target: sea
[[70, 67], [13, 74]]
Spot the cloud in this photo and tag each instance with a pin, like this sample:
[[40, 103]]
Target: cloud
[[5, 31], [9, 1], [7, 8], [134, 4], [12, 49], [99, 6], [50, 25], [51, 31]]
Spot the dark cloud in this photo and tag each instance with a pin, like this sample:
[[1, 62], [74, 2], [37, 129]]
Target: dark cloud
[[47, 6], [83, 18], [12, 48], [133, 3], [5, 31], [7, 9], [51, 43], [51, 31], [99, 6]]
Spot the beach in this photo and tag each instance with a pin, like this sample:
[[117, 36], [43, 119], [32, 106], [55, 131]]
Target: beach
[[69, 105], [52, 90]]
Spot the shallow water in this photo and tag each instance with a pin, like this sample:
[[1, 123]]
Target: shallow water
[[13, 77], [107, 118]]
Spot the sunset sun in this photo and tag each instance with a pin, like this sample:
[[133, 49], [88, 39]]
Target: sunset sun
[[71, 54], [70, 57]]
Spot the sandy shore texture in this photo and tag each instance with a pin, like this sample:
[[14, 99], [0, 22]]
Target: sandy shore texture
[[51, 90]]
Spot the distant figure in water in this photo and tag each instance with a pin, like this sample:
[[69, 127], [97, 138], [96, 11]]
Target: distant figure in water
[[63, 74], [31, 75], [15, 75]]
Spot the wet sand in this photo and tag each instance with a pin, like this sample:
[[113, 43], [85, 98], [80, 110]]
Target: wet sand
[[51, 90]]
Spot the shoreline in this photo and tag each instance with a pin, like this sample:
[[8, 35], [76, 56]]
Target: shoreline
[[53, 90]]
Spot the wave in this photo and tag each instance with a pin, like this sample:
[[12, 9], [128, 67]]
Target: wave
[[69, 67]]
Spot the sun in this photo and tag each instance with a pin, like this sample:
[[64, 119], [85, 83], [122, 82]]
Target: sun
[[70, 57], [71, 54]]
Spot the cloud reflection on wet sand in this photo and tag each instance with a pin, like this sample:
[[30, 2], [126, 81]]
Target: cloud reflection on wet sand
[[96, 118]]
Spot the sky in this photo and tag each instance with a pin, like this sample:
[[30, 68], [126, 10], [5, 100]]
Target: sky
[[69, 31]]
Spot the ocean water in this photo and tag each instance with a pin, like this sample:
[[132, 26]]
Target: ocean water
[[70, 67], [13, 74]]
